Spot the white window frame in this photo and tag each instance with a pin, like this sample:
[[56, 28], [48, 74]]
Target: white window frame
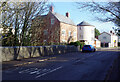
[[52, 21], [74, 34], [63, 32], [69, 33], [45, 32], [63, 40]]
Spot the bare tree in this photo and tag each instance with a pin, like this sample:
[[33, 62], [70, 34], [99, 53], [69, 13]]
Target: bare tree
[[19, 15], [110, 11]]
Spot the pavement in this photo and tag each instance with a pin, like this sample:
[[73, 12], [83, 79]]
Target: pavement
[[16, 63], [114, 72]]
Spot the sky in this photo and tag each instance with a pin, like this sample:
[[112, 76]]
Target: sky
[[78, 16]]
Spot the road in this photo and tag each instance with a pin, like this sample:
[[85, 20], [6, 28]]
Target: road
[[70, 66]]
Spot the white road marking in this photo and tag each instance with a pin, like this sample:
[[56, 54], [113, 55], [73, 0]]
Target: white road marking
[[48, 72], [35, 71], [42, 71], [28, 70], [24, 71]]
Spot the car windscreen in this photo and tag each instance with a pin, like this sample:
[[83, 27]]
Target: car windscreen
[[87, 46]]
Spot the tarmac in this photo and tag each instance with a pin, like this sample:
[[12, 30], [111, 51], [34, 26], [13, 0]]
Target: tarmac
[[17, 63], [113, 74]]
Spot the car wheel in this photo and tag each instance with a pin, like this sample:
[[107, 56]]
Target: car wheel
[[94, 50]]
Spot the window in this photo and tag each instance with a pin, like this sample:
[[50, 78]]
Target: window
[[63, 32], [74, 34], [104, 37], [44, 40], [69, 33], [63, 40], [80, 28], [92, 38], [52, 21], [81, 36], [92, 31], [45, 32]]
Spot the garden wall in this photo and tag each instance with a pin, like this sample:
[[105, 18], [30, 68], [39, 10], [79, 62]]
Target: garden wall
[[35, 51]]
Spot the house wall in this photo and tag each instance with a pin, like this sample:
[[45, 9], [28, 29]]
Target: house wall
[[98, 43], [114, 41], [118, 38], [52, 34], [103, 39], [86, 33], [110, 39], [68, 28], [53, 29]]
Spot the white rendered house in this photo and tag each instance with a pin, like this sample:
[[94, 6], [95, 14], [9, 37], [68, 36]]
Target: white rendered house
[[86, 33], [97, 42], [118, 38], [108, 39]]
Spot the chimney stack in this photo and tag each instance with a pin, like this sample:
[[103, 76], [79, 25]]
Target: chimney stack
[[67, 14], [51, 8], [111, 31]]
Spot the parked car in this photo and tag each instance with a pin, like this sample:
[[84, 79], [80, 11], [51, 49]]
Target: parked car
[[88, 48]]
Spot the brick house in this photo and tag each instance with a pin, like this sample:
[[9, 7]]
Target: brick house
[[56, 28]]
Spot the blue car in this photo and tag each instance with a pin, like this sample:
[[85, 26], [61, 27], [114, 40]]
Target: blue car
[[88, 48]]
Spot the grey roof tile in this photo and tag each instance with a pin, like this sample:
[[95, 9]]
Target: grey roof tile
[[83, 23], [63, 18]]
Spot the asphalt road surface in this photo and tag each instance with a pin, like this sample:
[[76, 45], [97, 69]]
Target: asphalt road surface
[[70, 66]]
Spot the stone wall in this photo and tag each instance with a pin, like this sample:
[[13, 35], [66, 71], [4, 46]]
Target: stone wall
[[35, 51]]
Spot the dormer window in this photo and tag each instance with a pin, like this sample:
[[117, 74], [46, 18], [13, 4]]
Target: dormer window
[[52, 21]]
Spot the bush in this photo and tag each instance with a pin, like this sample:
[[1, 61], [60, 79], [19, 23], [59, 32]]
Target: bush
[[82, 44], [77, 43]]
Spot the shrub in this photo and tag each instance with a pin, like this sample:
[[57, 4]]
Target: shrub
[[77, 43]]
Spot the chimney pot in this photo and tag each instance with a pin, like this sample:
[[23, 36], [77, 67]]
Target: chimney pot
[[111, 31], [67, 14], [51, 9]]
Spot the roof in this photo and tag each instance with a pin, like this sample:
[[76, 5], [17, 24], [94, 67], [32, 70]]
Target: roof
[[108, 34], [63, 18], [83, 23]]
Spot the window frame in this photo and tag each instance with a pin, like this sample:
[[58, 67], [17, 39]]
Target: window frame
[[52, 21]]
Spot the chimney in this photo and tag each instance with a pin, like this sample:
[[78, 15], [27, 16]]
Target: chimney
[[67, 14], [51, 8], [111, 31]]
